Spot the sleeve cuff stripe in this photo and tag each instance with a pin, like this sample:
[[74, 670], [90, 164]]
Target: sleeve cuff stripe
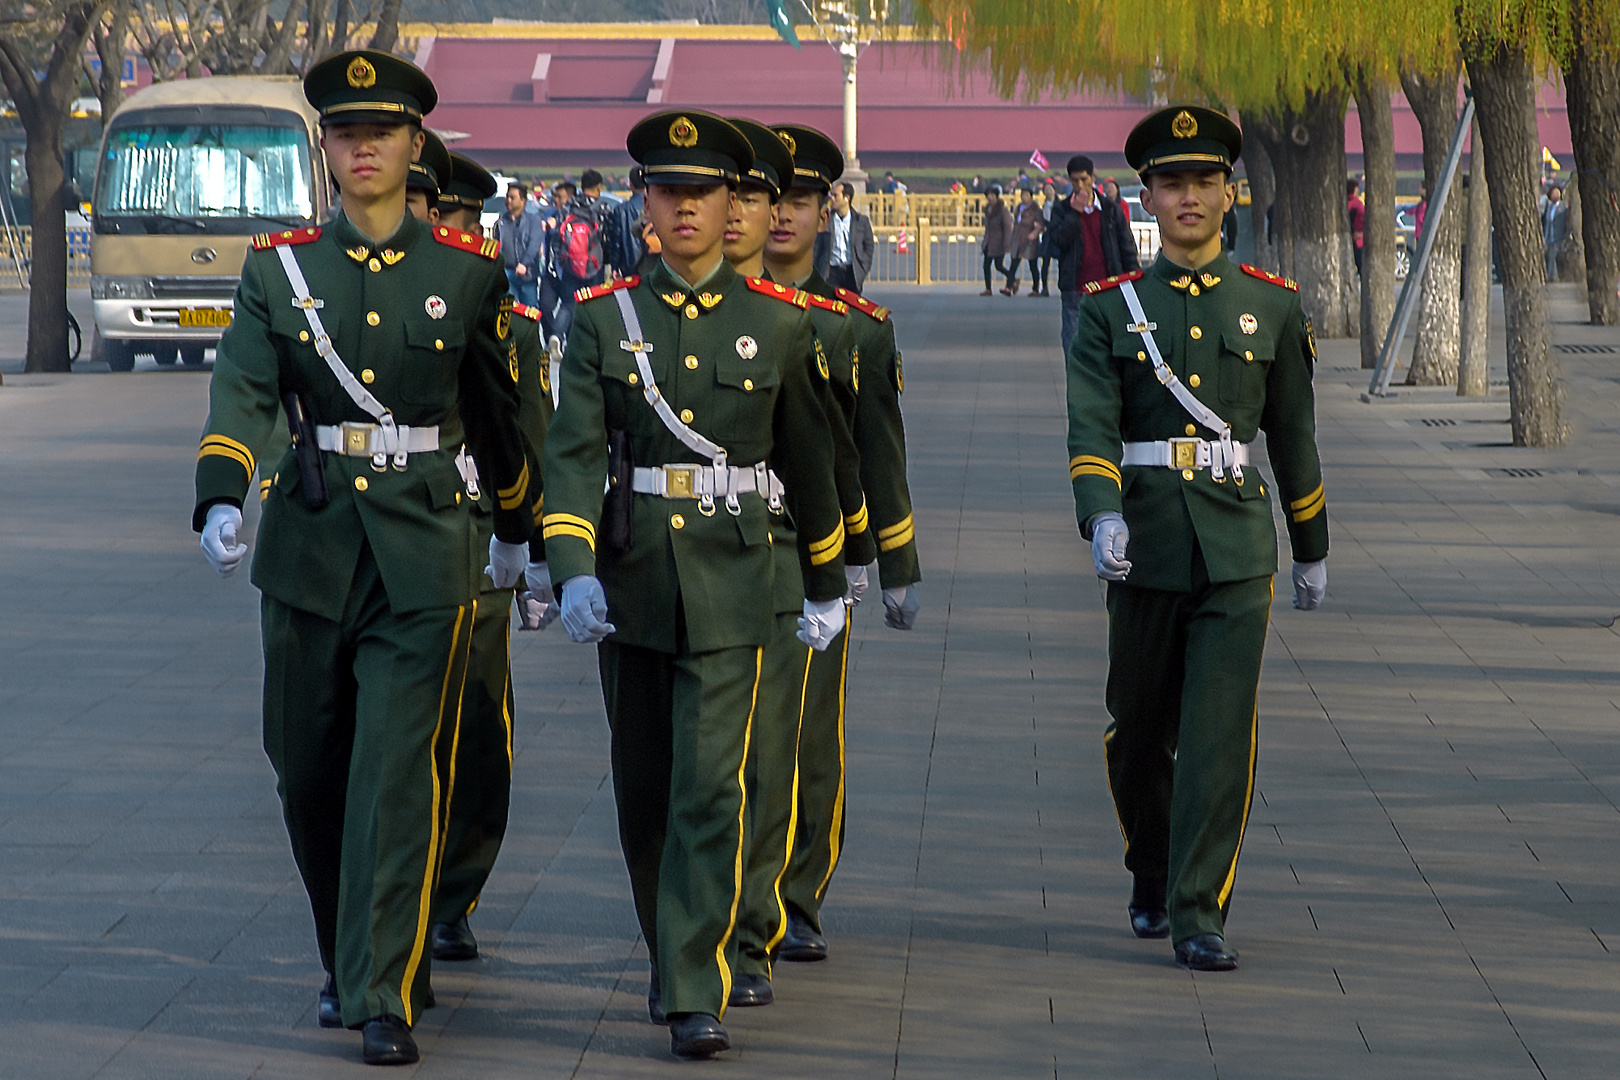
[[573, 521], [225, 442], [1301, 504], [856, 523], [512, 502], [551, 532], [519, 487], [1091, 459], [823, 557], [1093, 470], [1306, 515], [230, 453], [897, 541], [896, 529], [828, 543]]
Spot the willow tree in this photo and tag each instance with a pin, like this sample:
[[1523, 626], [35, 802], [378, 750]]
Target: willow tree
[[1586, 45]]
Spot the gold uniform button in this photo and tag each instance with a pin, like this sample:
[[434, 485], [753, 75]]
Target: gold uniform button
[[748, 384], [1194, 381], [438, 343], [303, 335], [691, 311], [634, 378], [691, 363], [1248, 355], [368, 376], [1193, 289], [1186, 474], [1196, 332], [677, 522], [686, 416], [373, 318], [360, 483], [374, 266], [1191, 430], [458, 498], [1141, 356]]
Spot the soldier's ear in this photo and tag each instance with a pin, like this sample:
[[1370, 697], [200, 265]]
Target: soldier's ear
[[1231, 193], [418, 141], [824, 216]]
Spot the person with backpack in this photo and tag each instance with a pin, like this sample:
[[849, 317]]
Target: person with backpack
[[578, 256]]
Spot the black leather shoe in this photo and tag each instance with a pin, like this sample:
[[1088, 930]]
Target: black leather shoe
[[328, 1013], [802, 944], [387, 1040], [750, 990], [695, 1036], [454, 941], [1149, 922], [1205, 952], [655, 1001]]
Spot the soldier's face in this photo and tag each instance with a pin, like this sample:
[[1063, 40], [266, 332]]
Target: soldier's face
[[1188, 205], [749, 226], [416, 201], [370, 161], [690, 219], [799, 216]]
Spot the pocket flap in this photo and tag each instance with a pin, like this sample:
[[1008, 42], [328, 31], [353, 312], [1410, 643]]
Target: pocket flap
[[1249, 347], [443, 337], [445, 488], [292, 324], [746, 375]]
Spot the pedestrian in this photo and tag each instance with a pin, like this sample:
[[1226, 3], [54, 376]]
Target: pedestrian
[[1090, 238], [624, 243], [1171, 376], [997, 238], [578, 251], [890, 184], [519, 237], [844, 251], [1420, 213], [677, 554], [976, 185], [1110, 188], [1028, 227], [364, 544], [1554, 229], [1358, 220], [1038, 274]]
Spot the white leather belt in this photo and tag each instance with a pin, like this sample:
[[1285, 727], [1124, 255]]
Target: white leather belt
[[707, 483], [1183, 454], [367, 440]]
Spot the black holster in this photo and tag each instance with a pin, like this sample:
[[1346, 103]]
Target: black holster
[[311, 462], [618, 505]]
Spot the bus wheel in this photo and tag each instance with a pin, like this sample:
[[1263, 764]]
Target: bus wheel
[[192, 355]]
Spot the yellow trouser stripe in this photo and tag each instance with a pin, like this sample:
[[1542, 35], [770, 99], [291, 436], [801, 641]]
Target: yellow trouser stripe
[[551, 531], [225, 442], [230, 453], [1094, 470], [898, 540], [793, 818], [455, 751], [1300, 504], [430, 873], [1308, 512], [896, 529], [837, 827], [856, 523], [742, 817], [1108, 467], [574, 520], [1248, 797]]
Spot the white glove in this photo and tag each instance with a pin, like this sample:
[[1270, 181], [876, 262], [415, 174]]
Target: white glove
[[536, 605], [822, 621], [219, 544], [900, 607], [506, 562], [1310, 584], [584, 610], [857, 579], [1109, 538]]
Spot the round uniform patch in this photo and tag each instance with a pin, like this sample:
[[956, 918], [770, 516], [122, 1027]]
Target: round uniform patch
[[1248, 323], [435, 307], [821, 361], [1310, 338], [511, 362], [747, 347]]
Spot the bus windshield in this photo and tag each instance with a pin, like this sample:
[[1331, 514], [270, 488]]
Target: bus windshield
[[192, 177]]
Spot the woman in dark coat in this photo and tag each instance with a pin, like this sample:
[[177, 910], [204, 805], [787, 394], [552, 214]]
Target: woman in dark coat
[[998, 238], [1028, 225]]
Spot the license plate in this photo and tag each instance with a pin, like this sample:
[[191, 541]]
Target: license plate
[[205, 317]]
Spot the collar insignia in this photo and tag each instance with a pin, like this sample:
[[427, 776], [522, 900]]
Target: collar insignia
[[359, 254], [1181, 282], [390, 256], [673, 299], [709, 300], [1209, 280]]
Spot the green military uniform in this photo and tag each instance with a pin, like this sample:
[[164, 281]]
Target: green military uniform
[[690, 594], [1187, 630], [368, 600]]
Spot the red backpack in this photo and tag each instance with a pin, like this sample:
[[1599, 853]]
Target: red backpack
[[579, 242]]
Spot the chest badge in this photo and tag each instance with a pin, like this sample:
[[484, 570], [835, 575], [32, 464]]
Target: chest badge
[[436, 307], [747, 347], [1248, 323]]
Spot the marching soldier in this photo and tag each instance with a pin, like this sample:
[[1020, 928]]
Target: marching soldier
[[383, 338], [478, 787], [1172, 374], [884, 519], [772, 775], [685, 395], [429, 173]]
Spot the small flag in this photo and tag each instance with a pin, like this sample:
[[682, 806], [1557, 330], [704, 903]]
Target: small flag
[[1548, 159], [782, 24], [1038, 160]]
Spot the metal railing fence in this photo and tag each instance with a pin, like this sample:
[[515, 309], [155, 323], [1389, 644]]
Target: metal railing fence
[[953, 256], [78, 274]]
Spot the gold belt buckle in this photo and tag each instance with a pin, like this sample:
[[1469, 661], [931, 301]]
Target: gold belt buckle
[[356, 439], [680, 481], [1184, 453]]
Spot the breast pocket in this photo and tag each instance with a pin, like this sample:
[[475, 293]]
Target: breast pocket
[[294, 335], [744, 397], [430, 362], [1245, 363]]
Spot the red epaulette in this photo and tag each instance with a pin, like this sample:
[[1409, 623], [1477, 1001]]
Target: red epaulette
[[1094, 287], [532, 313], [856, 300], [466, 241], [785, 293], [1267, 275], [591, 292], [828, 304], [266, 241]]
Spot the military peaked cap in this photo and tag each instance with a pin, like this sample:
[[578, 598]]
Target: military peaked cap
[[364, 86], [817, 160], [470, 184], [773, 165], [689, 147], [431, 171], [1183, 137]]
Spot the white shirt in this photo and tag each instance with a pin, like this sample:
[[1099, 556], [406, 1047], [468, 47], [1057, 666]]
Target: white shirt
[[840, 239]]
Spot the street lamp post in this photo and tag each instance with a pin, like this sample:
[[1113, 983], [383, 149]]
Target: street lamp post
[[845, 23]]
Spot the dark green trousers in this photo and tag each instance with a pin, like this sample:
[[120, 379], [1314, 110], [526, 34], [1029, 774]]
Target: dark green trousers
[[820, 819], [1183, 685], [475, 763], [681, 724], [354, 712]]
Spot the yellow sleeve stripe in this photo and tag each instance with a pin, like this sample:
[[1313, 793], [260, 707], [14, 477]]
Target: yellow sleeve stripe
[[896, 529], [856, 523], [227, 447], [898, 540], [572, 521], [551, 532], [519, 485], [1094, 470], [518, 499], [826, 546], [264, 490], [1104, 464], [1300, 504], [1311, 511], [230, 453]]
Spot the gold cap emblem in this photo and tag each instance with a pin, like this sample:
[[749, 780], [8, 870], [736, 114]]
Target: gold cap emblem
[[362, 76], [1184, 126], [683, 133], [787, 141]]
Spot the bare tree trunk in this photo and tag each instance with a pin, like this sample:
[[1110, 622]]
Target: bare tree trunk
[[340, 26], [1262, 193], [111, 39], [387, 35], [1378, 244], [1434, 356], [1592, 92], [1473, 361], [1572, 261], [1501, 74], [1319, 219], [1268, 131]]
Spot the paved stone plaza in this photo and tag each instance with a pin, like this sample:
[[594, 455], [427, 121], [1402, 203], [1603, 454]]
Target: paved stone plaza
[[1428, 887]]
